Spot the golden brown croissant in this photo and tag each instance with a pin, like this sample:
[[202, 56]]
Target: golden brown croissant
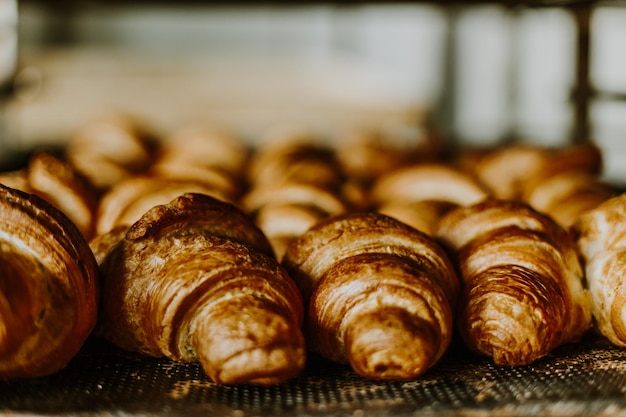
[[601, 239], [432, 181], [285, 210], [60, 184], [366, 154], [195, 279], [207, 156], [420, 194], [523, 289], [510, 170], [48, 287], [566, 196], [204, 147], [380, 294], [299, 159], [110, 148], [125, 202], [294, 181], [424, 215]]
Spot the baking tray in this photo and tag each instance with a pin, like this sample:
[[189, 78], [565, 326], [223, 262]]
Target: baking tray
[[582, 379]]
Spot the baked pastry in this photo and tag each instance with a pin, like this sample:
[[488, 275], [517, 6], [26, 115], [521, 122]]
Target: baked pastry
[[424, 215], [509, 170], [60, 184], [48, 289], [195, 280], [301, 162], [110, 148], [523, 291], [380, 295], [428, 181], [505, 169], [285, 210], [294, 181], [365, 154], [420, 194], [601, 240], [567, 195], [204, 147], [125, 202], [203, 155]]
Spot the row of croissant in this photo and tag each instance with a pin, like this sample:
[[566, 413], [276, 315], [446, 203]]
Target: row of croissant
[[371, 253]]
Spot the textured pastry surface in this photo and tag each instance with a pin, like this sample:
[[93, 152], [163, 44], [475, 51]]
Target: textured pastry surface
[[523, 291], [196, 280], [48, 287], [601, 238], [380, 294]]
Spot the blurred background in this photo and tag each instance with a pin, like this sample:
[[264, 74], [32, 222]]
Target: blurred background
[[480, 72]]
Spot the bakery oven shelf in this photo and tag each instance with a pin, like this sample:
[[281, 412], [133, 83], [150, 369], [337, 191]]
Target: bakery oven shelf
[[583, 379]]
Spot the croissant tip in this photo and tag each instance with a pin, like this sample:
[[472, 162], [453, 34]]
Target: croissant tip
[[391, 345], [273, 366]]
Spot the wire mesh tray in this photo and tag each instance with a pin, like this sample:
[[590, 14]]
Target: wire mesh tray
[[588, 378]]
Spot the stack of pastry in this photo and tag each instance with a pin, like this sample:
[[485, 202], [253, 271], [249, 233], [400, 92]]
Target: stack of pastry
[[189, 233]]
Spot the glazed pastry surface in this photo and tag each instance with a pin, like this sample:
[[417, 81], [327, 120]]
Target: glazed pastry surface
[[48, 287], [523, 291], [195, 279], [380, 295]]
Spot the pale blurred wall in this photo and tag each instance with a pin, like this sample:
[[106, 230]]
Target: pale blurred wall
[[319, 64]]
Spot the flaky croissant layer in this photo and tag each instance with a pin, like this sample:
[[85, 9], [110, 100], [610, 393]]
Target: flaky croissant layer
[[601, 239], [48, 287], [380, 294], [523, 291], [195, 280]]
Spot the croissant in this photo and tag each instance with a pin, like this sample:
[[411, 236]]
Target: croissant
[[424, 215], [294, 181], [380, 294], [294, 159], [601, 239], [211, 157], [508, 171], [366, 154], [428, 181], [125, 202], [48, 287], [60, 184], [204, 147], [523, 291], [110, 148], [567, 195], [196, 280], [421, 194]]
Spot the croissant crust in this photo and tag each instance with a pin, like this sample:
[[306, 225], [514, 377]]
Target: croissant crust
[[48, 287], [523, 291], [380, 294], [195, 280]]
